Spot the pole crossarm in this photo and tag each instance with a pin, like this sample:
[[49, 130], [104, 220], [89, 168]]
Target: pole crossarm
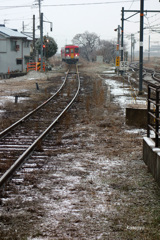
[[51, 25], [138, 11], [46, 21], [131, 16]]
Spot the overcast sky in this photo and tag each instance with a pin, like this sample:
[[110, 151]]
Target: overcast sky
[[71, 17]]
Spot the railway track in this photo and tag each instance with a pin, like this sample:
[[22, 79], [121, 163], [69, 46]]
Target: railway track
[[19, 141], [150, 76]]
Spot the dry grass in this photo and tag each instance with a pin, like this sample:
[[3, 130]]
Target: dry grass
[[98, 93], [87, 104]]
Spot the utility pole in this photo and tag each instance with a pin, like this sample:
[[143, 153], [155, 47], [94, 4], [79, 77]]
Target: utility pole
[[122, 32], [134, 41], [23, 26], [141, 47], [41, 33], [149, 48], [34, 49], [117, 48], [118, 37], [132, 47], [39, 3]]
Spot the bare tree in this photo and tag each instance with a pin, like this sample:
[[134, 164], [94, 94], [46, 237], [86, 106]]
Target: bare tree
[[88, 43], [108, 50]]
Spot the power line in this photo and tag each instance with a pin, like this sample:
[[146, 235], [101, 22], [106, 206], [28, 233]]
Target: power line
[[84, 4], [68, 4], [10, 7], [131, 4]]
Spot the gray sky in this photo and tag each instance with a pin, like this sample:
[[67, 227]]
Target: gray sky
[[69, 20]]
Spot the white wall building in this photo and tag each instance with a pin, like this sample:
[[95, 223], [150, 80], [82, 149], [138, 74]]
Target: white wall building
[[14, 50]]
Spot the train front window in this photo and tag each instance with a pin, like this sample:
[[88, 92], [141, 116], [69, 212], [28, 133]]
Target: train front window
[[76, 50], [72, 50], [67, 50]]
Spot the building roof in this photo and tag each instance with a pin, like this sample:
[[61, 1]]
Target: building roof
[[30, 35], [10, 32]]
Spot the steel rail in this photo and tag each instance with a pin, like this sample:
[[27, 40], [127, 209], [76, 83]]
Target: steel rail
[[5, 131], [146, 70], [7, 175], [155, 78]]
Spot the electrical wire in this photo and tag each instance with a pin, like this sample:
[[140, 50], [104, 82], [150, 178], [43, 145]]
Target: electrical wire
[[149, 25], [84, 4], [131, 4], [68, 4]]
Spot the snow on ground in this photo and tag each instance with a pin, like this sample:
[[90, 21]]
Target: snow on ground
[[21, 87]]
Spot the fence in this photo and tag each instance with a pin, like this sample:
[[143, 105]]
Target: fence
[[153, 112], [35, 66]]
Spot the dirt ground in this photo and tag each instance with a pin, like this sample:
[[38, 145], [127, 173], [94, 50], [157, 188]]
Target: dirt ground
[[94, 183]]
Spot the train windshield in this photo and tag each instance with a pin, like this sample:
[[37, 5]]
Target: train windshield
[[76, 50], [67, 50]]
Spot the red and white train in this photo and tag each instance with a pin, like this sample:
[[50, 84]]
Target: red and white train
[[70, 54]]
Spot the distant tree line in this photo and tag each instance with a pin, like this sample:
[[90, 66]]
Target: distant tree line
[[91, 45]]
